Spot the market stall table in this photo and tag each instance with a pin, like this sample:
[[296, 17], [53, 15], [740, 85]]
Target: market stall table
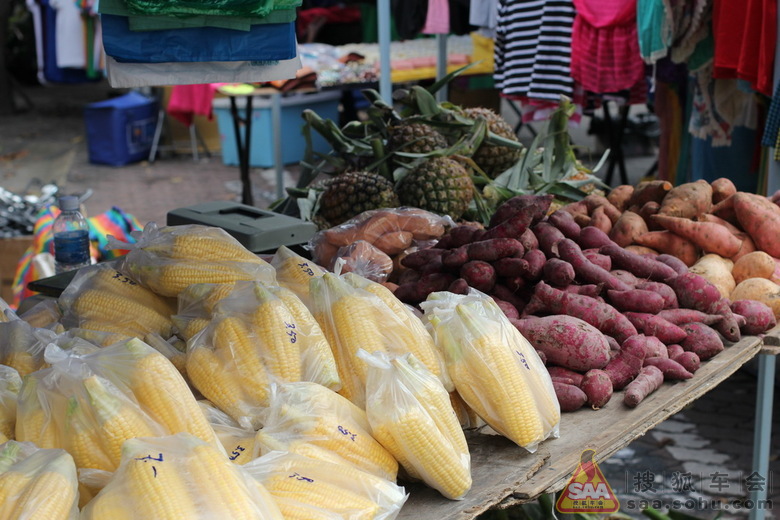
[[505, 475]]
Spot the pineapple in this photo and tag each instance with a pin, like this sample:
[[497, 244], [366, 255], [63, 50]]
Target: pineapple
[[351, 193], [413, 137], [438, 184], [493, 159]]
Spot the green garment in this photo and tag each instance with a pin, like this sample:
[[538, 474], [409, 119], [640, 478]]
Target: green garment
[[214, 7], [163, 22]]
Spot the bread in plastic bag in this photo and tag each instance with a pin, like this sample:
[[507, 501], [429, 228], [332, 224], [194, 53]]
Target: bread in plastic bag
[[293, 272], [101, 298], [168, 259], [37, 483], [494, 368], [411, 415], [364, 259], [179, 476], [311, 420], [22, 345], [10, 384], [311, 489], [258, 335], [238, 441], [353, 318]]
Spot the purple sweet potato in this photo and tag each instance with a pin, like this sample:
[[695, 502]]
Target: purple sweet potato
[[459, 286], [536, 260], [701, 340], [597, 258], [516, 215], [601, 315], [461, 235], [650, 345], [410, 292], [529, 241], [683, 316], [674, 351], [434, 266], [542, 357], [671, 369], [479, 275], [558, 272], [504, 293], [493, 249], [673, 262], [695, 292], [454, 258], [570, 398], [689, 360], [420, 258], [590, 289], [509, 310], [565, 222], [641, 266], [586, 270], [548, 236], [564, 380], [654, 325], [666, 292], [593, 238], [649, 379], [566, 341], [626, 276], [636, 301], [561, 372], [614, 346], [623, 368], [509, 267], [597, 387], [759, 317]]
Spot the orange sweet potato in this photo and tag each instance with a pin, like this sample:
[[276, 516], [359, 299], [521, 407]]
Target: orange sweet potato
[[722, 188], [620, 195], [760, 218], [687, 200], [647, 191], [600, 220], [597, 201], [670, 243], [709, 236], [629, 226], [641, 250]]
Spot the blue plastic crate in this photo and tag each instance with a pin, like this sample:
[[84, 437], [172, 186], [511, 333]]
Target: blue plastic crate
[[261, 154], [121, 130]]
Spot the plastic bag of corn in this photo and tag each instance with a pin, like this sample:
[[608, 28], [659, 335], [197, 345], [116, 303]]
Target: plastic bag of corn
[[176, 477], [354, 317], [101, 298], [309, 419], [311, 489], [238, 441], [45, 314], [22, 345], [168, 259], [256, 336], [412, 417], [37, 483], [10, 384], [293, 272], [494, 368]]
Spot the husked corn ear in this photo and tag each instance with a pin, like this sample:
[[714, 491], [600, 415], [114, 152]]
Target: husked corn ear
[[23, 350], [201, 243], [320, 493], [319, 365], [119, 418], [5, 311], [170, 279], [109, 505], [294, 271], [203, 296], [101, 334], [82, 441], [234, 342], [51, 493], [34, 423], [44, 314], [239, 444], [123, 286], [3, 438], [160, 388], [189, 326], [134, 316], [220, 386], [278, 334], [10, 385]]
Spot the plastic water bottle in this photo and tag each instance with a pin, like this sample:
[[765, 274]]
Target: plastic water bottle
[[71, 236]]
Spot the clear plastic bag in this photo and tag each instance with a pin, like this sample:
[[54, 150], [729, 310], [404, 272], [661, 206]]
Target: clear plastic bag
[[311, 489], [179, 476], [239, 442], [293, 272], [411, 415], [45, 314], [310, 420], [10, 384], [37, 483], [168, 259], [362, 258], [101, 298], [494, 368], [22, 345]]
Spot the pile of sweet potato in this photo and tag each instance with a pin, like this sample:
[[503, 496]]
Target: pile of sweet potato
[[604, 316]]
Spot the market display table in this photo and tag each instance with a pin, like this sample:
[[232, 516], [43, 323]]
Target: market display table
[[505, 474]]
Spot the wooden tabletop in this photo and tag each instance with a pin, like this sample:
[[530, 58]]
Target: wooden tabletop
[[505, 474]]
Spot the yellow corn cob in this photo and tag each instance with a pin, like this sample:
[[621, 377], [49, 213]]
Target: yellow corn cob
[[21, 340], [86, 494], [82, 442], [123, 286], [201, 243], [109, 504], [203, 296], [188, 326], [12, 486], [102, 334], [34, 423], [234, 342], [119, 418], [227, 493], [44, 314], [51, 494], [3, 438], [10, 385], [155, 486], [317, 354], [294, 271], [160, 388], [3, 308], [319, 493], [170, 279], [23, 362], [240, 448], [278, 335], [208, 374], [103, 306]]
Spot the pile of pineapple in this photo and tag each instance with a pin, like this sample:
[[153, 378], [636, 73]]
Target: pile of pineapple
[[461, 162]]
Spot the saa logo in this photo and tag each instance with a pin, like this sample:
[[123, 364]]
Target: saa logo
[[587, 491]]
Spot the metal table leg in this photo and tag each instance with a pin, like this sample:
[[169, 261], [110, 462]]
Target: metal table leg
[[243, 147], [762, 434], [276, 125]]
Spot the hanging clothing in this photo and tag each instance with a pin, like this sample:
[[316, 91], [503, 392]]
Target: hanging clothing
[[484, 14], [214, 7], [70, 35], [533, 49], [605, 53], [437, 21], [409, 17], [772, 127], [655, 28]]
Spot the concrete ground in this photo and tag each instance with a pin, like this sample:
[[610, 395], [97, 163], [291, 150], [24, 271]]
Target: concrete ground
[[711, 439]]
